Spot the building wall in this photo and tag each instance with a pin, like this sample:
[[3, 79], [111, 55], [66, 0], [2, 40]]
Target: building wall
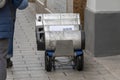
[[102, 26], [79, 7]]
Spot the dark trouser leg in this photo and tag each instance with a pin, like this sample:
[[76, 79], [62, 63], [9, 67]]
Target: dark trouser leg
[[3, 53], [10, 48], [10, 53]]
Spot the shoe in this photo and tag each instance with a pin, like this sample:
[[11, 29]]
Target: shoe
[[9, 63]]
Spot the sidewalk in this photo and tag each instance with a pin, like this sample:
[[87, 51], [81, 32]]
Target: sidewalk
[[29, 63], [111, 63]]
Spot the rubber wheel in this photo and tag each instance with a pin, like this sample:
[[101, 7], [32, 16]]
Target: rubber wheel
[[74, 62], [79, 62], [45, 60], [82, 39], [48, 64]]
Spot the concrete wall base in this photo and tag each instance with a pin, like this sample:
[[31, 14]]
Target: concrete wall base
[[102, 33]]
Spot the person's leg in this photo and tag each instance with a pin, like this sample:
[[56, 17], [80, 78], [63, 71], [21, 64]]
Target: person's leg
[[3, 53], [10, 50], [10, 53]]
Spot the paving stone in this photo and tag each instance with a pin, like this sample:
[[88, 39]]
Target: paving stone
[[28, 63]]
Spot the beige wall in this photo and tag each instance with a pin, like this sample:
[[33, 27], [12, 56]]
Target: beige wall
[[103, 5]]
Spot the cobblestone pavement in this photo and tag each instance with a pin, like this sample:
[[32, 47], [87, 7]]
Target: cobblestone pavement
[[111, 63], [29, 63]]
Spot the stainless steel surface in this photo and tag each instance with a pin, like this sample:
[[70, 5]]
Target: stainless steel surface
[[58, 19], [45, 21], [52, 36], [64, 48], [61, 19], [58, 26], [39, 21]]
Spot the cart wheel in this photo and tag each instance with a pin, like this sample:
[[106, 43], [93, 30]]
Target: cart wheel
[[53, 63], [79, 62], [45, 60], [74, 62], [48, 63]]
